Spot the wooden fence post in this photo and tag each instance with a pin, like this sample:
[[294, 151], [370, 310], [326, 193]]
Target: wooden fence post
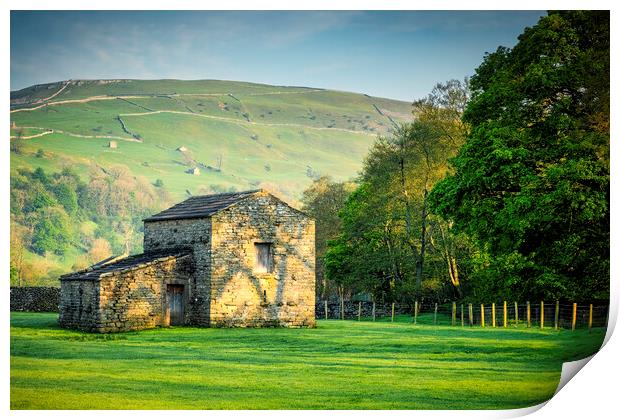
[[493, 314], [435, 317], [590, 319], [542, 314], [471, 315], [415, 313], [392, 311], [505, 314], [516, 315], [462, 315], [359, 310], [482, 315], [373, 310], [326, 310], [529, 313], [574, 322], [453, 314], [557, 314]]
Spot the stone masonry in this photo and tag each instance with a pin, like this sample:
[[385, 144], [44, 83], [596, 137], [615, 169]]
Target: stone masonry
[[237, 259], [283, 296]]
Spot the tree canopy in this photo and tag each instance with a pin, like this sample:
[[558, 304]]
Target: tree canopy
[[531, 183]]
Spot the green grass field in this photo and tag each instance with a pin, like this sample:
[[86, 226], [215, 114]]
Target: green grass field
[[338, 365]]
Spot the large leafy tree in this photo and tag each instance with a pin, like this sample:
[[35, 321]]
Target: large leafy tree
[[391, 244], [531, 183]]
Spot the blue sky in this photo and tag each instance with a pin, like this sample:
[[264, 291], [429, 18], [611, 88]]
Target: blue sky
[[398, 55]]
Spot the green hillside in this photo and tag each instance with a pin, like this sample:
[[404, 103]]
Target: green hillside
[[259, 133], [185, 137]]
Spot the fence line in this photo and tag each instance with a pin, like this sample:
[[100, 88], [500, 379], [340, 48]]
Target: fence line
[[558, 315]]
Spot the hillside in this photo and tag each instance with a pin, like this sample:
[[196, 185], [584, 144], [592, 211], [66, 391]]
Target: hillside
[[135, 146], [237, 134]]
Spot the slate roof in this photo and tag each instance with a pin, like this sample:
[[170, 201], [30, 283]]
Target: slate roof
[[132, 262], [201, 206]]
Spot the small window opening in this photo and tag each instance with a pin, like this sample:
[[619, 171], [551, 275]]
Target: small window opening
[[263, 257]]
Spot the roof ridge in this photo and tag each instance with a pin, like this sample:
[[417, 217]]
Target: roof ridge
[[128, 263], [202, 206], [224, 193]]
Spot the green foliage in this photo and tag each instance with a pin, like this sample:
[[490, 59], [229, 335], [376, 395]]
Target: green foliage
[[53, 231], [67, 197], [322, 201], [338, 365], [531, 184], [14, 276], [390, 244], [49, 209]]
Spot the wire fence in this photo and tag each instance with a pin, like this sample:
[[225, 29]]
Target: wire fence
[[556, 315]]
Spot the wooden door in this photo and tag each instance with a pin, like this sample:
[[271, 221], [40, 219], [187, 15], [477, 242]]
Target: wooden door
[[175, 304]]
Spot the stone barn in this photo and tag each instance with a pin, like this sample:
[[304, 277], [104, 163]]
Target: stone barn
[[241, 259]]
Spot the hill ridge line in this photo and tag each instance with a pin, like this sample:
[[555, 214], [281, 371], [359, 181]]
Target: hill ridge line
[[111, 97]]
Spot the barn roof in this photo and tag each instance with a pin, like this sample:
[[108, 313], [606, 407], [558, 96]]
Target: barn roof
[[133, 262], [201, 206]]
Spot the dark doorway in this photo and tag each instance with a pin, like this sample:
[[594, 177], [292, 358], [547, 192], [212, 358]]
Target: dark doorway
[[175, 304]]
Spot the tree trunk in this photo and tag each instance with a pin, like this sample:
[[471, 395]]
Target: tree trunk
[[419, 266], [453, 271]]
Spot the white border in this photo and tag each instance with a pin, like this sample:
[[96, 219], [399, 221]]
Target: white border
[[592, 394]]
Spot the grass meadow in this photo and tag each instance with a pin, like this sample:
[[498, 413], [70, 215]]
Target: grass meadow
[[338, 365]]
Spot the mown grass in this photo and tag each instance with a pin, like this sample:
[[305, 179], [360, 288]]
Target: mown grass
[[338, 365]]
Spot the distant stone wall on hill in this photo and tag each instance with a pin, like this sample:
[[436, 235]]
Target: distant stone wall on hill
[[35, 299]]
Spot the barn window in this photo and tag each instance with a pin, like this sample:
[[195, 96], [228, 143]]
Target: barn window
[[263, 257]]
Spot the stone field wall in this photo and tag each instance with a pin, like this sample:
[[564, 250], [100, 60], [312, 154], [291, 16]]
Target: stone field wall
[[46, 299], [35, 299], [351, 309]]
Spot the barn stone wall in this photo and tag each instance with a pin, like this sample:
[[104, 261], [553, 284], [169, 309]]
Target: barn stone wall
[[132, 299], [195, 235], [241, 296], [79, 304]]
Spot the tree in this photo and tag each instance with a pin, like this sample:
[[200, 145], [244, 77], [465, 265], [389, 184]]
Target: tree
[[67, 197], [99, 250], [20, 235], [410, 161], [53, 231], [322, 201], [390, 243], [531, 184], [365, 257]]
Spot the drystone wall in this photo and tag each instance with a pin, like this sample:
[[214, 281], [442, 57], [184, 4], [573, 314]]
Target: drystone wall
[[282, 296], [195, 235], [351, 309], [35, 299]]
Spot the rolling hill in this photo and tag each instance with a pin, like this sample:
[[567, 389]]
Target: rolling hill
[[238, 135], [182, 137]]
